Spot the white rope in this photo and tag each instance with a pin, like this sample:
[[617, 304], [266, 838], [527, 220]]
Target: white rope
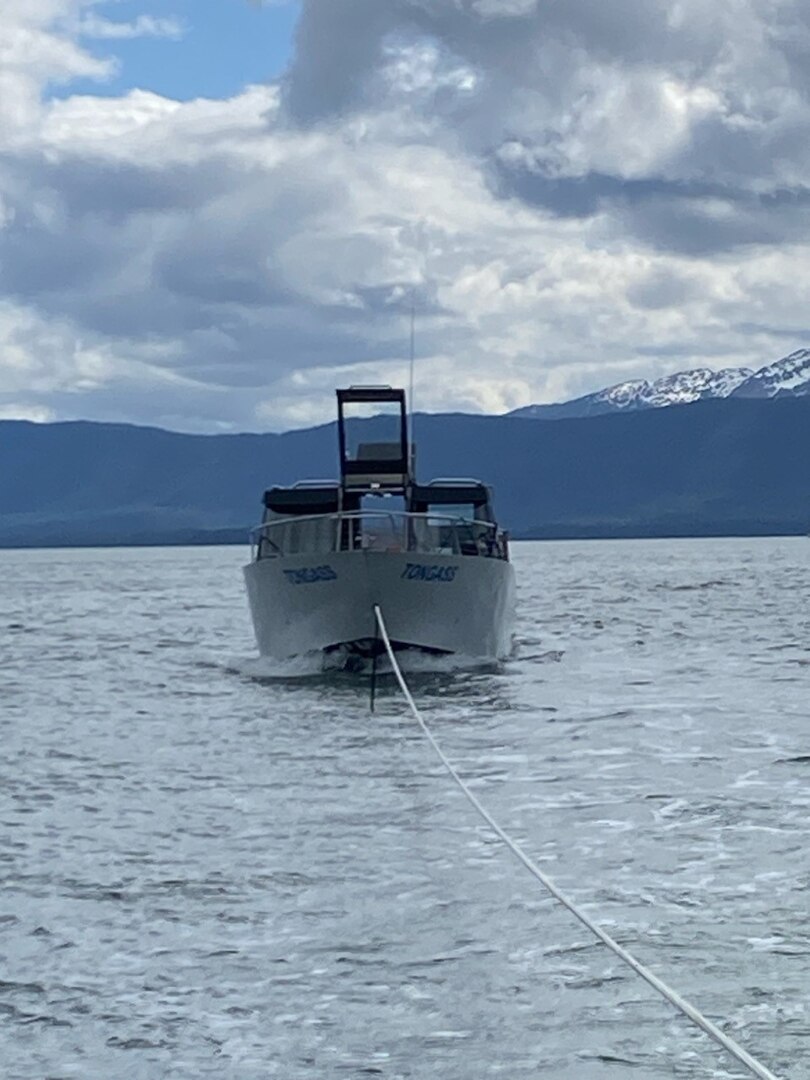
[[736, 1051]]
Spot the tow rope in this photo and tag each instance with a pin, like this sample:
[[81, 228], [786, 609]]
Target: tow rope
[[674, 998]]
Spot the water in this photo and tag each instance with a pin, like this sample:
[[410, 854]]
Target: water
[[207, 874]]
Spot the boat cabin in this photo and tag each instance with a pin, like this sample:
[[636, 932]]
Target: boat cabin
[[377, 504]]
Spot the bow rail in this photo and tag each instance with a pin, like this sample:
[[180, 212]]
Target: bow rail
[[378, 530]]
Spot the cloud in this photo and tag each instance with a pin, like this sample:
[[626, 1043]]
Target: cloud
[[585, 105], [32, 56], [574, 193], [96, 26]]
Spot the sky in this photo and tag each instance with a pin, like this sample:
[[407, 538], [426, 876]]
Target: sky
[[214, 212]]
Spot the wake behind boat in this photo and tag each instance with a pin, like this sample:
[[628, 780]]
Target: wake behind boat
[[430, 555]]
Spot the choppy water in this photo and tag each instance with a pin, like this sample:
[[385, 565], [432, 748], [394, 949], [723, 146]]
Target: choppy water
[[210, 875]]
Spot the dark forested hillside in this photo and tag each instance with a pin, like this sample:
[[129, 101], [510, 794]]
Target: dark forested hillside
[[711, 468]]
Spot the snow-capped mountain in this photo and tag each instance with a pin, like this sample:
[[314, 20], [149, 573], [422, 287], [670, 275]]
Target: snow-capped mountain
[[789, 376], [678, 389]]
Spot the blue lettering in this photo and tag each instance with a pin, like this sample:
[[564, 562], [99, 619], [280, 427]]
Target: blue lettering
[[418, 572], [310, 574]]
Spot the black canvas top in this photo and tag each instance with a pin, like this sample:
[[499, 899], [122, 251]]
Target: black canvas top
[[308, 500], [424, 495]]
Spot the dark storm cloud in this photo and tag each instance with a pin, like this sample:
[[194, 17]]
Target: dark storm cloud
[[76, 225], [691, 217], [171, 251], [340, 43], [583, 196], [115, 190], [702, 226], [337, 44], [548, 76]]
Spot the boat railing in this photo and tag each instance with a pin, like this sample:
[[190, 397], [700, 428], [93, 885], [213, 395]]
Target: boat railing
[[377, 530]]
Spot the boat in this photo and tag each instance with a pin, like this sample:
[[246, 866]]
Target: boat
[[432, 556]]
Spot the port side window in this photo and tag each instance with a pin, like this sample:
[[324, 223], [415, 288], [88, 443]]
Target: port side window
[[440, 512]]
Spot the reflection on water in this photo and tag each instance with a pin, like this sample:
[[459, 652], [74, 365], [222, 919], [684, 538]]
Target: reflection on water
[[211, 870]]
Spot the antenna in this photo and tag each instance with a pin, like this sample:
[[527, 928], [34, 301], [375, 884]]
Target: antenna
[[410, 378]]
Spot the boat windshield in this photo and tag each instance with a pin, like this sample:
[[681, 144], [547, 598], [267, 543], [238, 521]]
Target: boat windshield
[[373, 439], [379, 436], [458, 511]]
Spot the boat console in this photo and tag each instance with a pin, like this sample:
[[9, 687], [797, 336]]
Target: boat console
[[376, 457]]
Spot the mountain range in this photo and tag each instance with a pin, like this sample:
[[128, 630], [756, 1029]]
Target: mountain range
[[788, 377], [733, 465]]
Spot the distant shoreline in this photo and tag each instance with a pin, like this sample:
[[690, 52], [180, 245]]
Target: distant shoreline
[[232, 540]]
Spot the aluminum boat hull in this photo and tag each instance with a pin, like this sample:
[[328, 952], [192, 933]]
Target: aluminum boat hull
[[303, 604]]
